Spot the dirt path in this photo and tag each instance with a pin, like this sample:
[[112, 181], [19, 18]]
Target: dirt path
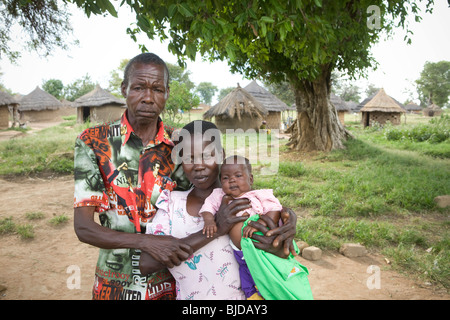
[[40, 268]]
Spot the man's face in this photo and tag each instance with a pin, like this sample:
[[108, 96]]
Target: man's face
[[146, 93]]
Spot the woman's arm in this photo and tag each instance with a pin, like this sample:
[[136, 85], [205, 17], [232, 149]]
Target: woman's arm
[[225, 219]]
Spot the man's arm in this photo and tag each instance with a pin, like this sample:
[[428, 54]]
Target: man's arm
[[163, 249], [277, 240]]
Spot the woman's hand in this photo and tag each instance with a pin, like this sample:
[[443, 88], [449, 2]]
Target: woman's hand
[[277, 240], [226, 216]]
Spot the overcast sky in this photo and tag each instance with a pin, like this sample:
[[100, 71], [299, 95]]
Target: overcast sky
[[104, 42]]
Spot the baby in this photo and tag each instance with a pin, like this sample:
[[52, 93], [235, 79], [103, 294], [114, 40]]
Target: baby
[[237, 180]]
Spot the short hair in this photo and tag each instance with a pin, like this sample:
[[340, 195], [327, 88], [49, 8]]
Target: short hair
[[237, 159], [207, 129], [192, 127], [144, 58]]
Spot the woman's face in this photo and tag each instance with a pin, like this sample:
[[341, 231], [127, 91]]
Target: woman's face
[[199, 163]]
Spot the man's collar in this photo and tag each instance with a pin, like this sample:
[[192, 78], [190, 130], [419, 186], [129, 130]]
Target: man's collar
[[126, 130]]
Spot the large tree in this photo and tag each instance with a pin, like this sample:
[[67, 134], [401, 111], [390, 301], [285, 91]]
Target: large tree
[[433, 85], [299, 41]]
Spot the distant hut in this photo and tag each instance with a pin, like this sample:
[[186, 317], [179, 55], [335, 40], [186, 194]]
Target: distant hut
[[7, 102], [202, 108], [39, 105], [412, 107], [359, 106], [340, 105], [237, 110], [381, 109], [270, 102], [99, 105], [432, 110]]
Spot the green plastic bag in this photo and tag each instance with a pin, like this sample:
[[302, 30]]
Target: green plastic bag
[[276, 278]]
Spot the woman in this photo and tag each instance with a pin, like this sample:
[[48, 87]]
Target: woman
[[201, 155]]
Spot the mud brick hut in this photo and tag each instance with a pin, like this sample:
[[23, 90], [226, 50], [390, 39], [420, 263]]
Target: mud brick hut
[[237, 110], [340, 105], [381, 109], [270, 102], [39, 106], [99, 105], [7, 102], [412, 107], [432, 111]]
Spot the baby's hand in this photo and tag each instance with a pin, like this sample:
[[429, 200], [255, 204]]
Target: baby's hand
[[209, 229], [248, 231]]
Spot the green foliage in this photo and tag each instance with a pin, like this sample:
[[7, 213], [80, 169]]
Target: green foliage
[[206, 90], [273, 38], [79, 88], [43, 23], [436, 131], [54, 87], [181, 100], [433, 85]]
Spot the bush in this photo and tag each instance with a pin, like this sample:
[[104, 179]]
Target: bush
[[436, 131]]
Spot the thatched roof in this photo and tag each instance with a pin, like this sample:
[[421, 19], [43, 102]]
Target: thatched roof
[[411, 106], [267, 99], [383, 103], [38, 100], [433, 107], [97, 98], [238, 102], [365, 101], [339, 103], [6, 99]]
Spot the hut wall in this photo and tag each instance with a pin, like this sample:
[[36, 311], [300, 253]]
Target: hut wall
[[106, 113], [4, 117], [368, 118], [273, 120], [67, 111], [431, 112], [341, 115], [246, 123], [39, 115]]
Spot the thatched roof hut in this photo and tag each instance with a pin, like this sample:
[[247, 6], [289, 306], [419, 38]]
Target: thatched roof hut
[[99, 105], [39, 105], [270, 102], [366, 100], [413, 107], [381, 109], [6, 101], [432, 110], [237, 110]]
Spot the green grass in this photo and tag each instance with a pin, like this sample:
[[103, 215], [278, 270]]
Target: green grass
[[50, 149]]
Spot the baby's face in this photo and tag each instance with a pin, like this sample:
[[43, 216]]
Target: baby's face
[[235, 179]]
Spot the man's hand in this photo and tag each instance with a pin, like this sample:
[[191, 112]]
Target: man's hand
[[277, 240], [226, 216], [167, 250]]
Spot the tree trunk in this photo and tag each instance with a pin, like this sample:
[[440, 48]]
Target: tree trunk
[[318, 127]]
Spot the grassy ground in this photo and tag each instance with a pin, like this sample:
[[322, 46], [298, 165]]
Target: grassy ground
[[376, 191]]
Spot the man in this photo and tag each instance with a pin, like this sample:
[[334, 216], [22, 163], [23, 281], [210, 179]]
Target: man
[[115, 176]]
